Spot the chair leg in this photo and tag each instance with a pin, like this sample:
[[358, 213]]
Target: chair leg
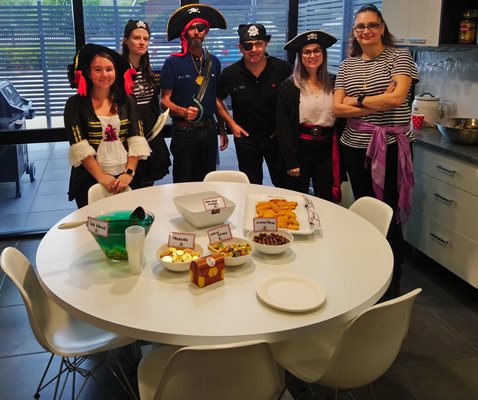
[[39, 387], [370, 388]]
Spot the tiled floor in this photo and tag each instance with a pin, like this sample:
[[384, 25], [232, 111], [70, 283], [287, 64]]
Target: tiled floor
[[438, 361]]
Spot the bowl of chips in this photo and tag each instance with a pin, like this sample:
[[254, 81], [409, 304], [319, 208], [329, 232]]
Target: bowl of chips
[[177, 259], [236, 251], [271, 242]]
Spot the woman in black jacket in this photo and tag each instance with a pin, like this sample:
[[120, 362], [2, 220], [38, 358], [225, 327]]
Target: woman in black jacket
[[305, 119], [101, 121]]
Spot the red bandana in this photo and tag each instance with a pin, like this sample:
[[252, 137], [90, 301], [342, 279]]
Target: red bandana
[[184, 43]]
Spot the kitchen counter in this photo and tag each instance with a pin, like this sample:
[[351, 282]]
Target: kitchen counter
[[432, 139]]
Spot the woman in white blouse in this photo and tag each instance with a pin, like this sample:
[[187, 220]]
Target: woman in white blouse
[[305, 119], [101, 121]]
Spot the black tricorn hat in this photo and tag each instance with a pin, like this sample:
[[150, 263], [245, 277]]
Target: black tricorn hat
[[81, 64], [184, 14], [249, 32], [323, 39]]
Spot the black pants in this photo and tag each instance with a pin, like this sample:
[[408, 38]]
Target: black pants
[[251, 153], [315, 160], [194, 152], [361, 181]]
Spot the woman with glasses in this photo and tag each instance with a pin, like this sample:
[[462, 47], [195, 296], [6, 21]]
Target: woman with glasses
[[305, 119], [372, 90], [146, 92]]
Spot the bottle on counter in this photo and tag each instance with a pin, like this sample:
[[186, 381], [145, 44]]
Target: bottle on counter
[[467, 34]]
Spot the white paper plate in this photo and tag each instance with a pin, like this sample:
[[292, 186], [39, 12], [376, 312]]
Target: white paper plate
[[301, 212], [289, 292]]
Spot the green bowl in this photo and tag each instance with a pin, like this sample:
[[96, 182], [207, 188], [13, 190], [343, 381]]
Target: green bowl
[[114, 246]]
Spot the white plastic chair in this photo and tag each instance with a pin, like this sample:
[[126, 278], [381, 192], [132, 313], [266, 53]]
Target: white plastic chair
[[375, 211], [354, 355], [59, 332], [98, 192], [226, 176], [234, 372]]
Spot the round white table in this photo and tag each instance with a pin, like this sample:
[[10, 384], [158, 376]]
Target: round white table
[[348, 257]]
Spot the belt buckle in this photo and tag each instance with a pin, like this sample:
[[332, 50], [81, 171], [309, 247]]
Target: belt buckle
[[315, 131]]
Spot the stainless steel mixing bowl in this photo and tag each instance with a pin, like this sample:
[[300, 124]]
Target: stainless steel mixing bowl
[[459, 130]]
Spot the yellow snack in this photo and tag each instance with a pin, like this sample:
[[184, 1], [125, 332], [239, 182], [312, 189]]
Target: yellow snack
[[281, 209]]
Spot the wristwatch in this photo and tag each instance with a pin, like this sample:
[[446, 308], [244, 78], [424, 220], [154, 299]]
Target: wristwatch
[[129, 171], [360, 100]]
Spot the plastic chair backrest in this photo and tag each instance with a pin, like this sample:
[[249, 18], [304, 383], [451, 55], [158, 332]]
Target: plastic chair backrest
[[226, 176], [375, 211], [39, 307], [98, 192], [234, 372], [370, 344]]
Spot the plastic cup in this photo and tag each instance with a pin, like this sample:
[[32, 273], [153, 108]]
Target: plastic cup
[[418, 120], [134, 237]]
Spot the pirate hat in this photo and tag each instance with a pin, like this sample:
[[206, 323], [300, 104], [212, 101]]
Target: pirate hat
[[323, 39], [249, 32], [78, 71], [183, 15], [134, 24]]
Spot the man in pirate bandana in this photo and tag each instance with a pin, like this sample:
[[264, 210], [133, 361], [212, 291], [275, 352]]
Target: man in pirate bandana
[[188, 89], [253, 84]]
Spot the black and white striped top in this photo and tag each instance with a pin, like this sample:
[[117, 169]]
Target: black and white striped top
[[143, 90], [372, 77]]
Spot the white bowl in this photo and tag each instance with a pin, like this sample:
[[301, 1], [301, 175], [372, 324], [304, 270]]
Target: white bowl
[[270, 248], [234, 261], [176, 266], [192, 209]]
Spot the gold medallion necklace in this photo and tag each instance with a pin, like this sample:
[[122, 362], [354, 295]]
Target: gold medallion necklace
[[199, 78]]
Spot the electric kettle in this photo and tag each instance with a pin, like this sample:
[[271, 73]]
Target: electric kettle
[[429, 106]]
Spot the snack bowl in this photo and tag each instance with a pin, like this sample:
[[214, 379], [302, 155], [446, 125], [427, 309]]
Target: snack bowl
[[459, 130], [271, 242], [114, 244], [192, 209], [231, 249], [169, 258]]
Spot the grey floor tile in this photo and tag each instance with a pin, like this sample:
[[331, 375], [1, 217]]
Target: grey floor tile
[[57, 174], [55, 163], [450, 380], [52, 202], [54, 187], [11, 222], [45, 220], [17, 336], [9, 294]]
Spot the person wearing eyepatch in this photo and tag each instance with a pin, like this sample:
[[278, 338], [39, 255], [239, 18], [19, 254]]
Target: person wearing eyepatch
[[253, 83], [305, 119], [188, 88], [146, 92], [372, 90]]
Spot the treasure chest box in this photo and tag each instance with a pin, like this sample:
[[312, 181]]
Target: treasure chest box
[[207, 270]]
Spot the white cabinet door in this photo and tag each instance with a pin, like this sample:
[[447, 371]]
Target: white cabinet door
[[396, 15], [413, 22]]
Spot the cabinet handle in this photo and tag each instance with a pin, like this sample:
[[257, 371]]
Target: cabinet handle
[[439, 239], [438, 196], [446, 170], [399, 40], [417, 41]]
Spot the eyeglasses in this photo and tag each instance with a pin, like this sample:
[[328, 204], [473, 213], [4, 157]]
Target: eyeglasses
[[200, 27], [315, 52], [249, 45], [372, 26]]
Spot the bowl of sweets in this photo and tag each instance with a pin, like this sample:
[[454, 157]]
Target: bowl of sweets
[[177, 259], [271, 242], [236, 251]]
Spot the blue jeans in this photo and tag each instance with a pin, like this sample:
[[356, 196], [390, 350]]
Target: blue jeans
[[194, 152]]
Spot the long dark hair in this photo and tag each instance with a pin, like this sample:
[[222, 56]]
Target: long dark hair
[[117, 97], [300, 74], [387, 37], [144, 63]]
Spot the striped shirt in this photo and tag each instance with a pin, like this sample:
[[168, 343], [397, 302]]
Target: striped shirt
[[372, 77], [143, 91]]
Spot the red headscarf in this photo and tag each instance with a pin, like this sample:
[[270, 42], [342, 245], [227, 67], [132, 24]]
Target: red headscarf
[[184, 43]]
